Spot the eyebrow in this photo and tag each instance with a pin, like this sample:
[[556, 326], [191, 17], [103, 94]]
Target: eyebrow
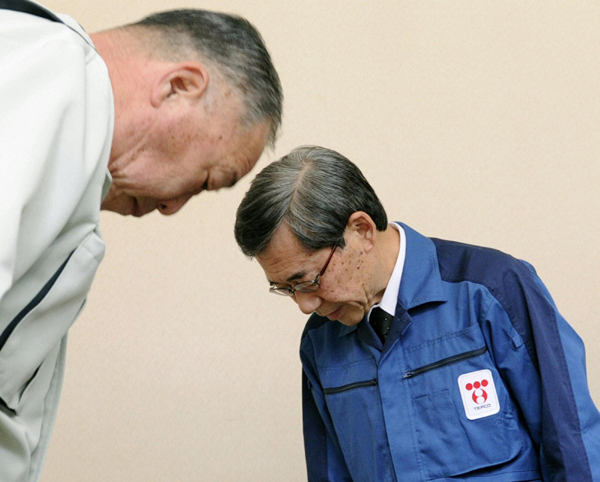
[[295, 276]]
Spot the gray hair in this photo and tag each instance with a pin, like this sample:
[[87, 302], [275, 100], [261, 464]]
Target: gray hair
[[237, 50], [314, 191]]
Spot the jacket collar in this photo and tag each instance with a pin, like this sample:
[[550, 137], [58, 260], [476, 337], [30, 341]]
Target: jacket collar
[[421, 280]]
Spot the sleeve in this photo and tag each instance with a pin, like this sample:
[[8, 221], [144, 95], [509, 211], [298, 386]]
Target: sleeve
[[41, 94], [21, 171], [542, 361], [324, 459]]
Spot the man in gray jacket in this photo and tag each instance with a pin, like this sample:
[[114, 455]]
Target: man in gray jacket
[[132, 119]]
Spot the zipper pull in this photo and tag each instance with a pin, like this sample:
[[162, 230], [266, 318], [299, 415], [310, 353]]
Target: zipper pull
[[409, 374]]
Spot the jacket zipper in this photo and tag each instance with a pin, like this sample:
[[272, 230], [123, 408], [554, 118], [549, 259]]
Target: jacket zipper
[[23, 313], [445, 361], [32, 304], [350, 386]]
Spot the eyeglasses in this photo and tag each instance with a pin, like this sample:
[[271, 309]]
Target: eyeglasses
[[305, 286]]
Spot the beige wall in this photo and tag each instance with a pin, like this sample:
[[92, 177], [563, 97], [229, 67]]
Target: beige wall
[[474, 120]]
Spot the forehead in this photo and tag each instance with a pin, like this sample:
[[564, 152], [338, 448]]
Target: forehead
[[285, 260]]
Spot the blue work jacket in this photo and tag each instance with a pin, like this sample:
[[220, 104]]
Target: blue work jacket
[[479, 379]]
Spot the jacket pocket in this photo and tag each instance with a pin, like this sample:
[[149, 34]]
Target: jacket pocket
[[353, 401], [40, 325], [446, 361], [350, 386], [353, 383], [449, 442]]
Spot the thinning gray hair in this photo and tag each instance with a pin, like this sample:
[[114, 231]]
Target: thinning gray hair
[[314, 191], [235, 47]]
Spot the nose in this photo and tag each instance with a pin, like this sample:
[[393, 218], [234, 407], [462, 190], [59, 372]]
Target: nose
[[307, 302], [173, 205]]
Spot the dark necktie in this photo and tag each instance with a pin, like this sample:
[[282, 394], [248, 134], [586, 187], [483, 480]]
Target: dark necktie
[[381, 321]]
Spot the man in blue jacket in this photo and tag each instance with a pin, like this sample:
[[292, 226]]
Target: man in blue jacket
[[423, 359]]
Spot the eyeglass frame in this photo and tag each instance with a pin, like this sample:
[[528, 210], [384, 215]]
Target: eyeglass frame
[[291, 290]]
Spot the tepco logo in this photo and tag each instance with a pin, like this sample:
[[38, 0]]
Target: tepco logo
[[478, 394]]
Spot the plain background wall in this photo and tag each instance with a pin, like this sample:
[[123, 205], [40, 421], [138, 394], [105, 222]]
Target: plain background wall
[[474, 120]]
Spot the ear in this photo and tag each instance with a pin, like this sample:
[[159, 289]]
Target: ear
[[187, 80], [362, 225]]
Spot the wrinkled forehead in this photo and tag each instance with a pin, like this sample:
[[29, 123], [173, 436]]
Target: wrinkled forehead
[[284, 258]]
